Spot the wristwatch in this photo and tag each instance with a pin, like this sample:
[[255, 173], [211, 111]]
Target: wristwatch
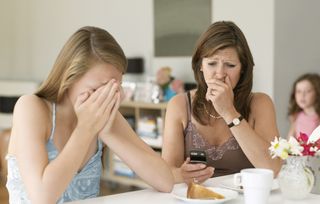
[[235, 121]]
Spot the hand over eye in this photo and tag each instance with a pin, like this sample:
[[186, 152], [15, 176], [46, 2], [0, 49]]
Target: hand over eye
[[93, 111]]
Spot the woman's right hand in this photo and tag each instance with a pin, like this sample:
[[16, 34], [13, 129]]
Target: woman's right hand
[[196, 173], [94, 109]]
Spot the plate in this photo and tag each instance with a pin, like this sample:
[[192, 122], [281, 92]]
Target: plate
[[228, 183], [181, 194]]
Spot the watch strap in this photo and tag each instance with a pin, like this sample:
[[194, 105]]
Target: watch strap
[[230, 125]]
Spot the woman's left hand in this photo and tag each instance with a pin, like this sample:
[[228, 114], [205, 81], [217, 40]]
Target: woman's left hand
[[114, 111], [221, 95]]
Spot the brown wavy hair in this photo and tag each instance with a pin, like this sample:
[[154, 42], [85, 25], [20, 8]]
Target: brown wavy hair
[[314, 79], [85, 47], [221, 35]]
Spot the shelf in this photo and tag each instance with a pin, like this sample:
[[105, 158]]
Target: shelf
[[143, 105], [135, 112]]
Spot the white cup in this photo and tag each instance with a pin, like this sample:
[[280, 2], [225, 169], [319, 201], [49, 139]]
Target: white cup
[[256, 183]]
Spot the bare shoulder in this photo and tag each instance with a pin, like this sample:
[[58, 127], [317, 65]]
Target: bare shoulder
[[260, 101], [31, 121], [31, 104], [32, 111], [262, 108], [177, 107], [177, 100]]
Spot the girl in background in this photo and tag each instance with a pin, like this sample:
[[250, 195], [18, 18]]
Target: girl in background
[[304, 105]]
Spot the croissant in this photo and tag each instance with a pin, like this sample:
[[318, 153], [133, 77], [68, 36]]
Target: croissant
[[196, 191]]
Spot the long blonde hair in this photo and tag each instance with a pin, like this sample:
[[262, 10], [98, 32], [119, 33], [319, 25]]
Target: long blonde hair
[[84, 47]]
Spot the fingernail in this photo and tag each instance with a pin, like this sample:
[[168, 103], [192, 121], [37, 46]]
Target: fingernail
[[202, 166]]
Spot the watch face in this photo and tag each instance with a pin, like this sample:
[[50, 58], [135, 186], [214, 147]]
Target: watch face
[[236, 121]]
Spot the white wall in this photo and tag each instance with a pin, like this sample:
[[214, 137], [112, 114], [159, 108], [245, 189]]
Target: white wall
[[249, 15], [283, 37], [256, 20], [42, 27], [297, 49], [6, 39]]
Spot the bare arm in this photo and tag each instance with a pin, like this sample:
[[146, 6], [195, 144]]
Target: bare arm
[[255, 141], [173, 141], [148, 165], [45, 182]]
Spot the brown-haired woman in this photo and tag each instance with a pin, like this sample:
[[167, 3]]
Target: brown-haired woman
[[221, 116], [58, 133]]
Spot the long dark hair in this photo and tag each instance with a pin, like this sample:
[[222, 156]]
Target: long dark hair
[[314, 79], [218, 36]]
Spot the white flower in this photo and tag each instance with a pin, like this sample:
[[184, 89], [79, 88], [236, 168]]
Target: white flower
[[313, 149], [316, 150], [315, 135], [273, 147], [294, 147], [279, 148]]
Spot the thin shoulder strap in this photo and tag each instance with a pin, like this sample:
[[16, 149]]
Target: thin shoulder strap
[[53, 121], [188, 101]]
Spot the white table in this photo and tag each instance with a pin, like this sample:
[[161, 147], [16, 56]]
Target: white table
[[154, 197]]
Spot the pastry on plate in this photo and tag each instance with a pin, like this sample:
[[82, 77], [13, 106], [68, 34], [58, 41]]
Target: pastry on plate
[[196, 191]]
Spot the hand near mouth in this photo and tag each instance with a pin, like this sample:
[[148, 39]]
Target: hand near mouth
[[220, 94]]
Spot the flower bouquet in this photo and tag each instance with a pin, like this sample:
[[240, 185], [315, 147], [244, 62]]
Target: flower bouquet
[[302, 146], [302, 168]]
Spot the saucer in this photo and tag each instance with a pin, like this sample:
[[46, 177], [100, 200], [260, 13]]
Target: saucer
[[228, 184], [181, 194]]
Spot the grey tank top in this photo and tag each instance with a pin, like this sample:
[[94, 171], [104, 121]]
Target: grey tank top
[[85, 184], [227, 158]]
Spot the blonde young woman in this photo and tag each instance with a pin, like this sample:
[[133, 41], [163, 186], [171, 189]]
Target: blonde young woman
[[222, 117], [58, 133]]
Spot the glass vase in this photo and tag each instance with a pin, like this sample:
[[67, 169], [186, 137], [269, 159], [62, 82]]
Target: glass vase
[[313, 162], [295, 179]]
